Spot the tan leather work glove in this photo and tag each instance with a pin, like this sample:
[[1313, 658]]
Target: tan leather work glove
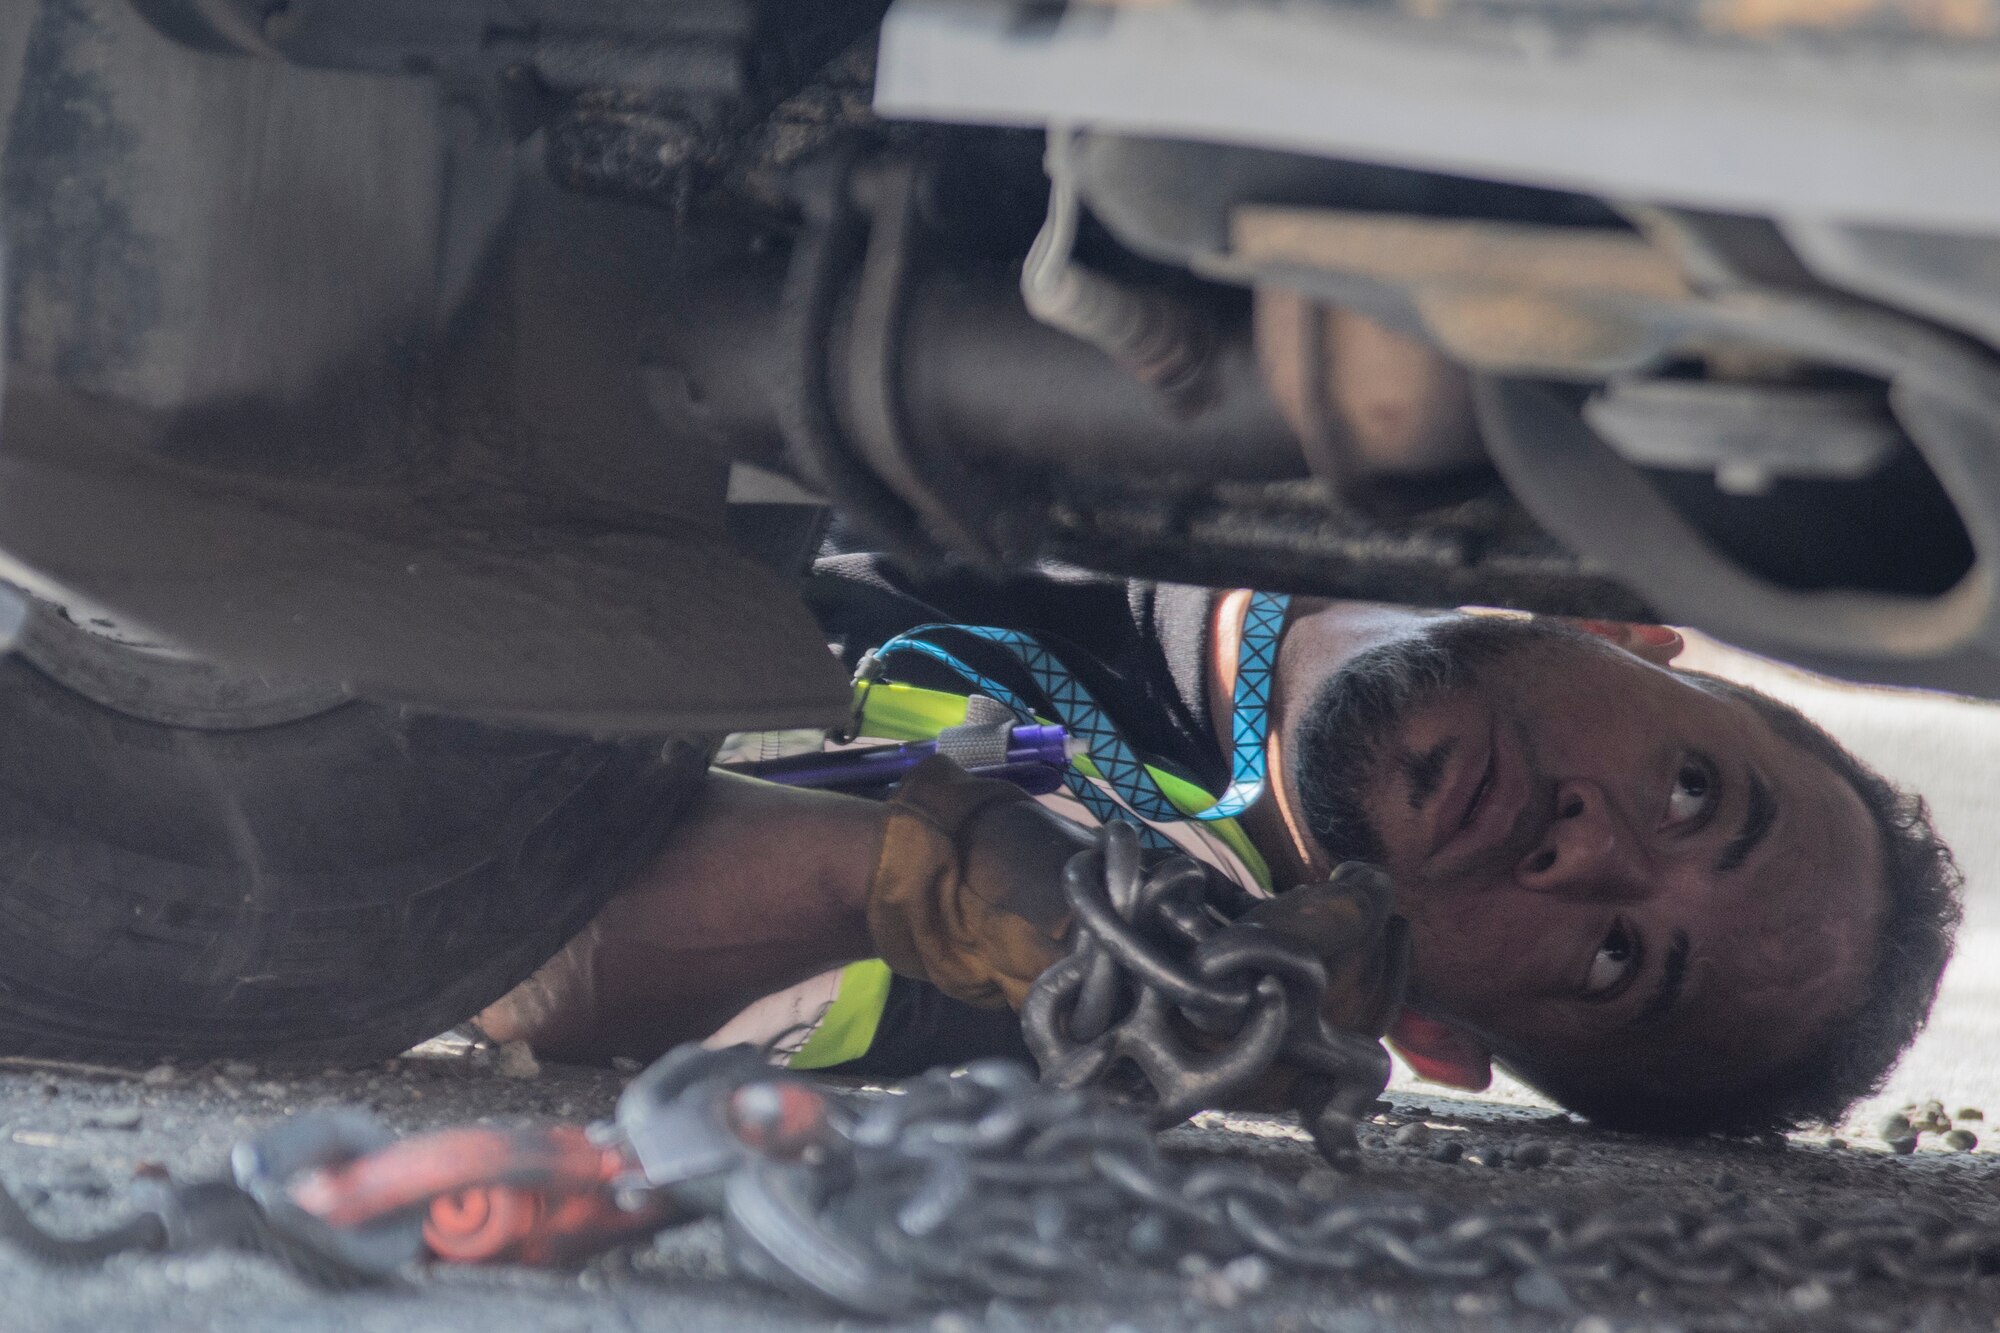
[[1349, 921], [967, 893]]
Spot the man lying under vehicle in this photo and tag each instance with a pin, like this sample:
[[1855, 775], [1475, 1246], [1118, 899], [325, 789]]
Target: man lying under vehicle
[[1663, 899]]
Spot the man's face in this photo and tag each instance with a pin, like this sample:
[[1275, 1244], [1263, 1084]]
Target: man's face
[[1605, 866]]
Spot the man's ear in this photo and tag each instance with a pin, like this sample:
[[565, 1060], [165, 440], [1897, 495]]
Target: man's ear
[[1441, 1052], [1658, 644]]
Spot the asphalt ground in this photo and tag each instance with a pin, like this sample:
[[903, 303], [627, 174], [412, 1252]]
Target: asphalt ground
[[73, 1140]]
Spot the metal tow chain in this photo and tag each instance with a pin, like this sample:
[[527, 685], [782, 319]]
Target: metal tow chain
[[986, 1183], [1172, 1004]]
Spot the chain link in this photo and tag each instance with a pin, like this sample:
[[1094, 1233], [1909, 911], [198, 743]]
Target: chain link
[[1172, 1005]]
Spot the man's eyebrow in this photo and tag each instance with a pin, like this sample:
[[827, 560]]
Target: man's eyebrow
[[1759, 813], [1673, 975]]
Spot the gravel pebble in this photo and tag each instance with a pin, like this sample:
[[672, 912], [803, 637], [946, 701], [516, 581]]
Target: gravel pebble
[[1448, 1151], [1894, 1127], [1414, 1135], [1531, 1153], [1961, 1140], [1487, 1154], [1971, 1113], [1903, 1147], [117, 1117], [1323, 1185], [1543, 1291], [1836, 1145], [517, 1060]]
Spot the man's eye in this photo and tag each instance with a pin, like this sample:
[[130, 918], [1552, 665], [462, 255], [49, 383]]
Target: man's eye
[[1692, 791], [1614, 964]]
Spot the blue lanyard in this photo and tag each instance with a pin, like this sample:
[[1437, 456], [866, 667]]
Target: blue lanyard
[[1121, 767]]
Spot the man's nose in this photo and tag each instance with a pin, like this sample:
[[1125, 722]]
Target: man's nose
[[1588, 851]]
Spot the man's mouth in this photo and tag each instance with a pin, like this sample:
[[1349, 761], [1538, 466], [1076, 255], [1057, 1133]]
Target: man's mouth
[[1481, 808]]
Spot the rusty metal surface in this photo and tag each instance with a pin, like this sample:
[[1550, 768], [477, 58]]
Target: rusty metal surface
[[1497, 295], [1421, 252], [1362, 397]]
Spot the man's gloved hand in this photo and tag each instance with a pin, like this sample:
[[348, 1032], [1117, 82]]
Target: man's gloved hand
[[1349, 921], [967, 895]]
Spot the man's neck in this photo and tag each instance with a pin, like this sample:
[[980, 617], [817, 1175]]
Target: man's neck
[[1320, 637]]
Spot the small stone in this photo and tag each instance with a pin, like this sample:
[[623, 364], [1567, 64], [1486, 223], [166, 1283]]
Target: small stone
[[159, 1076], [1836, 1145], [1933, 1107], [1543, 1291], [1413, 1135], [117, 1117], [1773, 1142], [1474, 1304], [517, 1060], [1487, 1154], [1971, 1113], [1810, 1297], [1961, 1140], [1894, 1127], [1214, 1289], [625, 1064], [1322, 1185], [239, 1069], [1251, 1273], [1903, 1147], [1565, 1157], [1531, 1153], [1448, 1151]]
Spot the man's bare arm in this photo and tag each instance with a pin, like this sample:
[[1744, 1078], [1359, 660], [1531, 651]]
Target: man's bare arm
[[761, 887]]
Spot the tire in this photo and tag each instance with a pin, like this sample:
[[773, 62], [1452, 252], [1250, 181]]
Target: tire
[[333, 888]]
